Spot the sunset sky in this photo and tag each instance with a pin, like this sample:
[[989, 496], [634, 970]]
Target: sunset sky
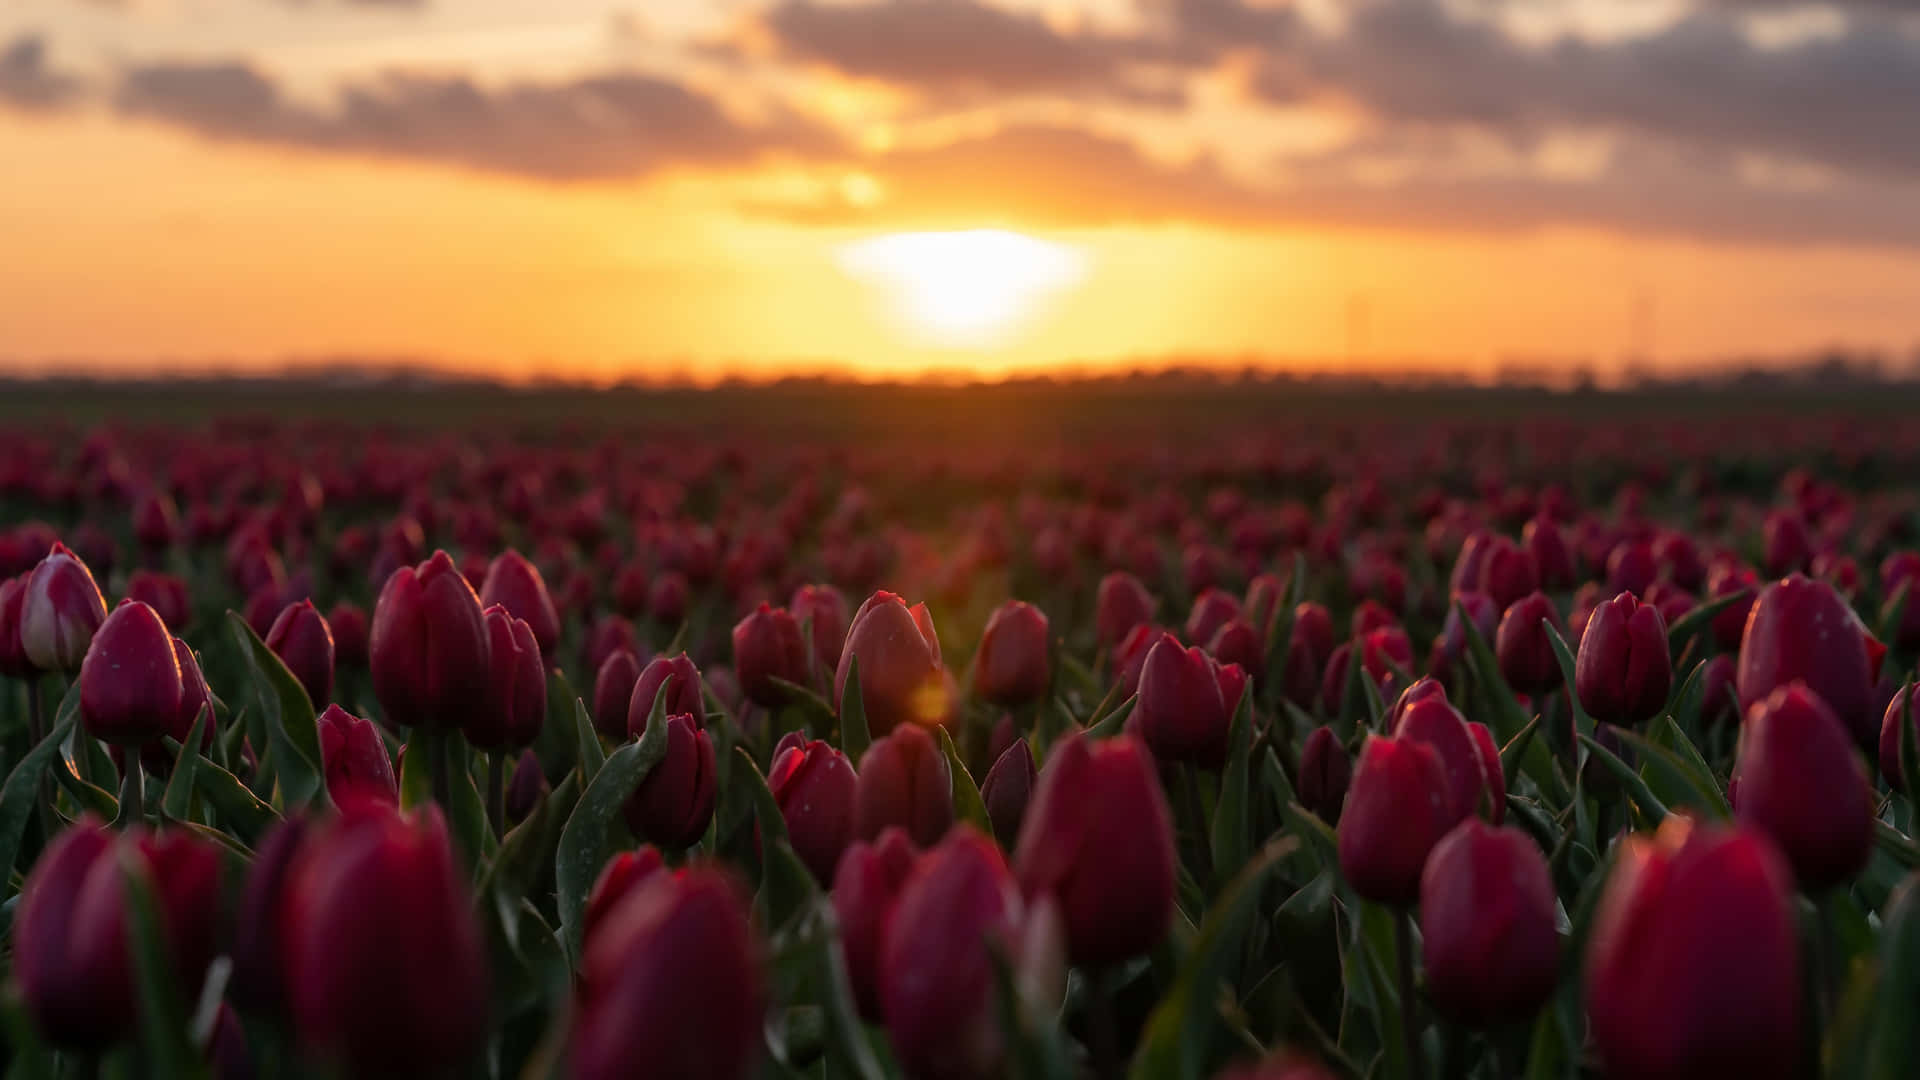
[[695, 187]]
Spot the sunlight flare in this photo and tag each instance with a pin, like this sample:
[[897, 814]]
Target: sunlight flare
[[966, 289]]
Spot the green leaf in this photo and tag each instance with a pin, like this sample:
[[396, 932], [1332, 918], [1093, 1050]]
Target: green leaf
[[132, 802], [1897, 845], [166, 1051], [786, 885], [1892, 611], [1583, 724], [526, 850], [91, 797], [583, 846], [1895, 1049], [1685, 774], [468, 814], [855, 737], [293, 738], [1507, 718], [1174, 1044], [967, 803], [1516, 749], [557, 745], [1114, 722], [21, 793], [1230, 828], [816, 708], [807, 956], [177, 802], [1637, 789], [1034, 1051], [592, 754], [416, 769], [1685, 628]]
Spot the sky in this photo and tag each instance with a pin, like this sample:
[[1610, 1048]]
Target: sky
[[695, 188]]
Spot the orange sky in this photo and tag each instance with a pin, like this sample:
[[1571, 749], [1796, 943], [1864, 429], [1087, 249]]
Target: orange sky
[[673, 188]]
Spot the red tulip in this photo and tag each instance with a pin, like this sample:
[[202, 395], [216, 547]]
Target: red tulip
[[1730, 625], [1211, 610], [1184, 713], [1801, 630], [672, 985], [1008, 789], [1396, 811], [1262, 602], [683, 694], [303, 642], [1439, 725], [901, 679], [1552, 556], [1450, 648], [14, 663], [525, 787], [1802, 783], [1902, 568], [825, 610], [613, 692], [623, 874], [516, 707], [355, 759], [818, 794], [905, 781], [1508, 573], [348, 624], [132, 690], [1679, 560], [866, 886], [1631, 567], [674, 803], [1624, 671], [156, 521], [60, 611], [1013, 666], [1493, 770], [766, 646], [1489, 946], [1325, 771], [1789, 550], [1120, 604], [165, 594], [429, 647], [516, 584], [1526, 656], [1099, 839], [1131, 657], [1693, 966]]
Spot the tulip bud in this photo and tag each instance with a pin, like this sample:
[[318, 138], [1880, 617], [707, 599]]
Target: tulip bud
[[1238, 644], [165, 594], [355, 759], [825, 610], [901, 680], [1789, 550], [1007, 790], [1631, 567], [349, 627], [1489, 946], [1183, 712], [674, 803], [1491, 768], [1396, 811], [303, 642], [1120, 604], [618, 879], [1902, 568], [1624, 671], [1508, 573], [683, 694], [904, 781], [1013, 666], [13, 658], [1325, 772], [1440, 726], [1719, 701], [1450, 648], [1801, 630], [1802, 783], [1309, 646], [818, 793], [156, 521], [609, 635], [131, 687], [1730, 625], [672, 984], [429, 647], [516, 584], [1131, 657], [1526, 656], [516, 707], [613, 691], [1714, 906], [866, 886], [766, 646], [258, 981], [60, 611], [1679, 560], [1116, 898], [525, 787], [376, 900], [1212, 609], [1552, 557]]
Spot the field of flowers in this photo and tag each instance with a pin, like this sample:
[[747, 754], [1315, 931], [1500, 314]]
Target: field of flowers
[[1489, 746]]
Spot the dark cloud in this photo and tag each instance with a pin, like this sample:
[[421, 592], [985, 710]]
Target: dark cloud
[[598, 127], [28, 81]]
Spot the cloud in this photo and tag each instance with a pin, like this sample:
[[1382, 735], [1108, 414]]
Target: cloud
[[607, 126], [29, 82]]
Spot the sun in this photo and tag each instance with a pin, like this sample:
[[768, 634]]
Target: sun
[[966, 289]]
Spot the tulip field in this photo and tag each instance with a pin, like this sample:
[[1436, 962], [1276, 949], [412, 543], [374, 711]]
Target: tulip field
[[1479, 742]]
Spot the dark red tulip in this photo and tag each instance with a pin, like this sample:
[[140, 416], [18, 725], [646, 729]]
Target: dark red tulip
[[901, 678], [767, 645], [825, 610], [1450, 648], [1013, 666], [132, 690], [1265, 594], [165, 594], [1309, 645], [904, 780], [1239, 644], [1369, 616], [516, 707], [1508, 573], [516, 584], [525, 787], [1632, 567], [1789, 549], [620, 877], [866, 886], [377, 900], [355, 759], [613, 692], [1438, 724], [348, 624], [1679, 561], [1488, 943], [1801, 630], [1725, 579], [1693, 966], [302, 640], [1421, 690], [1802, 783], [1552, 556], [1325, 771], [674, 803], [1902, 568], [1183, 712], [1470, 567], [673, 984], [683, 694], [1007, 790], [667, 598], [818, 794], [1099, 839], [609, 635], [1131, 657], [59, 611], [259, 984], [1526, 656], [1496, 801], [1719, 700], [1211, 610], [156, 521], [1396, 811], [1120, 604], [429, 647], [1624, 671]]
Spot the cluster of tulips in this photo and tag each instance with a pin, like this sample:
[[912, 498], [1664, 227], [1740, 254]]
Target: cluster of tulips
[[1293, 762]]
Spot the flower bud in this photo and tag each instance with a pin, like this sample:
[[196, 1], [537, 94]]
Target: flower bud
[[901, 679], [1693, 965], [1309, 646], [355, 759], [1730, 625], [429, 647], [613, 691], [1789, 549], [1526, 656], [825, 610], [156, 521], [1116, 897], [1450, 648], [1325, 772], [1802, 783], [1551, 554], [1131, 657], [165, 594], [1898, 569], [13, 658], [1440, 726], [349, 627], [1489, 947], [516, 584], [683, 694], [766, 646], [1508, 573], [672, 984], [674, 803], [1801, 630], [1496, 803], [1120, 604], [623, 874], [1624, 671], [818, 793], [1183, 712], [131, 688], [60, 611], [904, 781], [1238, 644], [1396, 811], [516, 707], [1013, 666], [1631, 567], [303, 642], [1212, 609], [1007, 790], [866, 886]]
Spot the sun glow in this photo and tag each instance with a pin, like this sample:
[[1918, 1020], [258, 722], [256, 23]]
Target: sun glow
[[967, 289]]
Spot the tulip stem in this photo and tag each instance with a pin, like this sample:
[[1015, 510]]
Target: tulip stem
[[1100, 1025], [1409, 1005], [1197, 813], [439, 764], [497, 791]]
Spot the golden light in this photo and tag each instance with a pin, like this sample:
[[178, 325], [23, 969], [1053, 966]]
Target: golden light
[[967, 289]]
